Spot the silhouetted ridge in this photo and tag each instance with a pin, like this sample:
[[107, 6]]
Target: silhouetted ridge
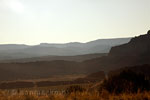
[[135, 52], [148, 32], [136, 47]]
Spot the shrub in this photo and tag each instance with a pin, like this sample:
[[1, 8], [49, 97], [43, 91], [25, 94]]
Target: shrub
[[74, 89], [127, 81]]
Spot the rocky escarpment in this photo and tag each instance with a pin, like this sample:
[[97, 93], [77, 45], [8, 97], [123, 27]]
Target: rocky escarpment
[[138, 46], [135, 52]]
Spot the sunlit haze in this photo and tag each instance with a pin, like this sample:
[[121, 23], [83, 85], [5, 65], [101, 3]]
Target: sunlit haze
[[61, 21]]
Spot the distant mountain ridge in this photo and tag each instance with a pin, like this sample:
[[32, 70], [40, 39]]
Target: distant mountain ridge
[[135, 52], [15, 51]]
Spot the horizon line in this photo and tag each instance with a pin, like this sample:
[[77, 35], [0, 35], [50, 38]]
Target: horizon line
[[63, 42]]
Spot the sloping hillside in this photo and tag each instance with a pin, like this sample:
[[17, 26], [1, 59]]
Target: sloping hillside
[[42, 69], [136, 52], [77, 58], [142, 69]]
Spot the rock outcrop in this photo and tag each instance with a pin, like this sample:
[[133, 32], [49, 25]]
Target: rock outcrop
[[135, 52], [138, 46]]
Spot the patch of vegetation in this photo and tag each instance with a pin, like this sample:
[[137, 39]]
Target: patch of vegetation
[[126, 81], [78, 96], [74, 89]]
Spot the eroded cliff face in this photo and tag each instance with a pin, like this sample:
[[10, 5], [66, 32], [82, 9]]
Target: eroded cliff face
[[135, 52], [138, 46]]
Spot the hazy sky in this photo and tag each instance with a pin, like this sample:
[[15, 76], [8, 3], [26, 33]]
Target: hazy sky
[[61, 21]]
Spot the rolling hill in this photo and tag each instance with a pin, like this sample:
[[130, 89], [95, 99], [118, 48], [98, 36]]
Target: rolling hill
[[77, 58]]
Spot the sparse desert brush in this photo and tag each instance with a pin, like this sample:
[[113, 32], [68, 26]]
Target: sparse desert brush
[[78, 92], [136, 96], [75, 89], [85, 95], [125, 82]]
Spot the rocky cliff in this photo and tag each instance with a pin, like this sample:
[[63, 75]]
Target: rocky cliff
[[135, 52], [136, 47]]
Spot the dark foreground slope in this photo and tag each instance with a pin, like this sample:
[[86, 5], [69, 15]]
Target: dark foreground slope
[[42, 69], [140, 69]]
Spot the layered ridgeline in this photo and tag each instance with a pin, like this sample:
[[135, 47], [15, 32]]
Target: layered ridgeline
[[136, 52], [13, 51], [77, 58]]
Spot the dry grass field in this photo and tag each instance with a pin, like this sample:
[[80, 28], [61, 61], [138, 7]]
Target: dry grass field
[[127, 85], [77, 96]]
